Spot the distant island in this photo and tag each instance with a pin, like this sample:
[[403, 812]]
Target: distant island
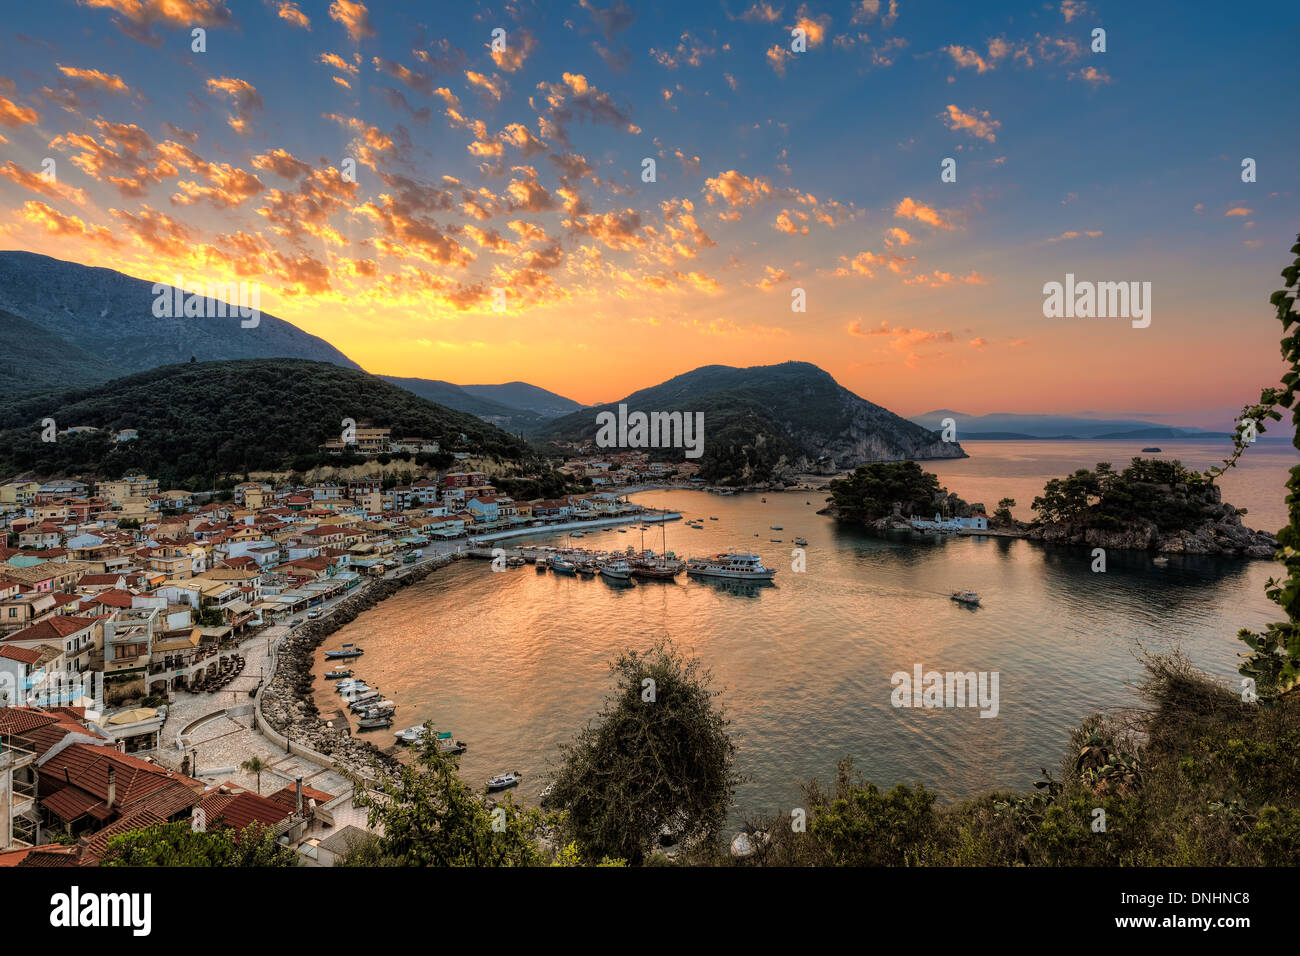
[[1152, 505]]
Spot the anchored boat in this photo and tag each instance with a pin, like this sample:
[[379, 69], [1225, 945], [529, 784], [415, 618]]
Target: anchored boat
[[346, 652], [966, 597], [504, 781], [739, 565]]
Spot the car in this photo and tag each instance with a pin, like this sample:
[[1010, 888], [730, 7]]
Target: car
[[313, 615], [295, 622]]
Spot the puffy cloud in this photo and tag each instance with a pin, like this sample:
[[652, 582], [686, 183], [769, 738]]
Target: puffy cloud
[[772, 277], [491, 86], [354, 17], [13, 115], [57, 224], [338, 63], [39, 184], [735, 189], [405, 234], [137, 18], [519, 45], [93, 79], [1092, 76], [574, 97], [617, 230], [909, 208], [124, 156], [760, 12], [966, 57], [289, 12], [979, 124], [159, 233], [245, 97]]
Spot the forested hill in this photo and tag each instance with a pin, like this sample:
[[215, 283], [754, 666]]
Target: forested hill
[[202, 420]]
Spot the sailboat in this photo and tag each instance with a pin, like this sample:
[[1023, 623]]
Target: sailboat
[[661, 568]]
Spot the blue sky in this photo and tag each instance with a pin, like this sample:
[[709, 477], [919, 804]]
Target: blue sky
[[776, 170]]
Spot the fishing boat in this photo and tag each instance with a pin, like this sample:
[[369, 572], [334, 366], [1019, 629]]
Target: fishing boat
[[378, 702], [375, 723], [586, 568], [344, 653], [622, 530], [711, 518], [385, 709], [800, 541], [351, 686], [561, 565], [966, 597], [338, 673], [578, 534], [540, 564], [363, 697], [776, 527], [411, 735], [1162, 560], [504, 781], [739, 565], [448, 745], [615, 568], [775, 540]]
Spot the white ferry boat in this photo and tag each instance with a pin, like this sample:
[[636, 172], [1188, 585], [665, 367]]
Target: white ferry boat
[[739, 564]]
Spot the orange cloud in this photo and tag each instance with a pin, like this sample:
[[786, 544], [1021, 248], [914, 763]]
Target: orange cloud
[[354, 17], [979, 124], [908, 208]]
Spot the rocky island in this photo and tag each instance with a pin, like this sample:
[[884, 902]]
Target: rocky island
[[1151, 505]]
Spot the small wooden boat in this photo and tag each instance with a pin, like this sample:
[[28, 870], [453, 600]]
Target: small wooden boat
[[346, 652], [504, 781], [378, 722], [800, 541], [378, 702], [338, 673]]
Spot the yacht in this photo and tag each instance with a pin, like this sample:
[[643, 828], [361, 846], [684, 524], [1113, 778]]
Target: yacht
[[738, 564], [616, 568]]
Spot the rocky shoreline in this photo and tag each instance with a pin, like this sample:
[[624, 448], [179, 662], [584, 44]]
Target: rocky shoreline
[[287, 703]]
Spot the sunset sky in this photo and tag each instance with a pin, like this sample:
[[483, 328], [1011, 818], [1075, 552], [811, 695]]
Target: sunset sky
[[522, 170]]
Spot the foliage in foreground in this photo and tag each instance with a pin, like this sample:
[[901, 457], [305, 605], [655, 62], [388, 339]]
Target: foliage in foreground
[[178, 844], [1199, 778], [429, 816], [656, 763]]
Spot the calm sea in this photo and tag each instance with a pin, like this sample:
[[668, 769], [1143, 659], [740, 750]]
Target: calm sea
[[515, 662]]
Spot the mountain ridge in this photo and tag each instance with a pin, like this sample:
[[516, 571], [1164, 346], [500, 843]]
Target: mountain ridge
[[771, 422]]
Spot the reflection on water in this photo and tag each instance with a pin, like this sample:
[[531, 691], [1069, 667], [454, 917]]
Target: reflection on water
[[516, 662]]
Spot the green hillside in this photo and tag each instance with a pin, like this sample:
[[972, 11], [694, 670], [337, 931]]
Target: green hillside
[[203, 420], [771, 421]]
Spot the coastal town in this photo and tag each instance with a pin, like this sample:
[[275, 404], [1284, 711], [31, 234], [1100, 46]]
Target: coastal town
[[141, 629]]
